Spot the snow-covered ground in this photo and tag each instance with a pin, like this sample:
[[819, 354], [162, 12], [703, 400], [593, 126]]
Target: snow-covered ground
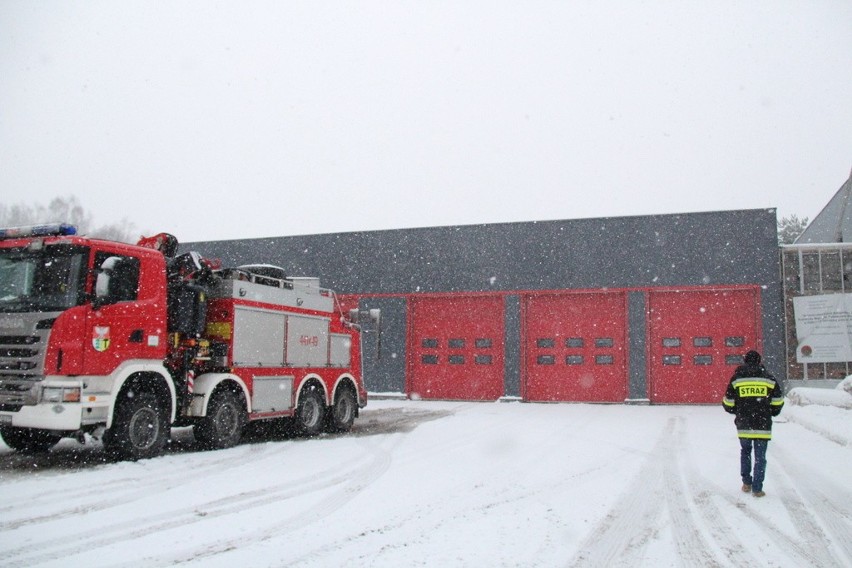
[[449, 484]]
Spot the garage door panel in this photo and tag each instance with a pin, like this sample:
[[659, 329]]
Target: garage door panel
[[575, 348], [697, 339], [458, 348]]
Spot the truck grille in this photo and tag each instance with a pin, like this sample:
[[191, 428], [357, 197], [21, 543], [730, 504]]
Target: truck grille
[[15, 393], [21, 368], [18, 353], [19, 339]]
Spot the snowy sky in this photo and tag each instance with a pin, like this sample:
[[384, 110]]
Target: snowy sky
[[249, 119]]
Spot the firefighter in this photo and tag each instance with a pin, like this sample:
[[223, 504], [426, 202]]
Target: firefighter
[[754, 396]]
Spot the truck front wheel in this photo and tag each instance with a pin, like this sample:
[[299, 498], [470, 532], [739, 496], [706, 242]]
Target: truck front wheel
[[29, 440], [139, 429], [223, 426]]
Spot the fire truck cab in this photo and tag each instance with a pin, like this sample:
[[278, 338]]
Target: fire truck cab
[[123, 342]]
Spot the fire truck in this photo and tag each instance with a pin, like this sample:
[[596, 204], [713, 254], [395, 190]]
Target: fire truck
[[122, 342]]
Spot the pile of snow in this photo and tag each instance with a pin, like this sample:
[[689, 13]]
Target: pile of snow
[[841, 396], [822, 411]]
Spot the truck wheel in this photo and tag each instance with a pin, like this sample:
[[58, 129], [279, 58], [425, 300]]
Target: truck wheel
[[139, 429], [343, 412], [311, 412], [224, 423], [29, 440]]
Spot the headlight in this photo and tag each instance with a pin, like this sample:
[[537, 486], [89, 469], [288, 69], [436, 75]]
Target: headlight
[[60, 394]]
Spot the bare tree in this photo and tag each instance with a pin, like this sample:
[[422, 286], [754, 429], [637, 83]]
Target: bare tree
[[789, 228], [123, 231], [66, 210]]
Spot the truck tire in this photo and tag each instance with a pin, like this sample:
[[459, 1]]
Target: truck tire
[[342, 414], [139, 429], [310, 414], [223, 426], [29, 440]]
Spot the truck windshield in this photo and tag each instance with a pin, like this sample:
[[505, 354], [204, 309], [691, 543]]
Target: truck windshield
[[47, 280]]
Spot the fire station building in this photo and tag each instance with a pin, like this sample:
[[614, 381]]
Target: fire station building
[[655, 309]]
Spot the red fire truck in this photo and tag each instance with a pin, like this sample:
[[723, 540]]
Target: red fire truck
[[122, 342]]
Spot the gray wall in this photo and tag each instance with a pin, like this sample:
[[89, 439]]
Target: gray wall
[[691, 249]]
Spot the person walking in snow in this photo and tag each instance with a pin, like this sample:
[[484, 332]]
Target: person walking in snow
[[754, 396]]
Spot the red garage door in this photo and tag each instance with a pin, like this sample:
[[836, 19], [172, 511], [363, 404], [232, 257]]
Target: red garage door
[[574, 347], [456, 347], [697, 338]]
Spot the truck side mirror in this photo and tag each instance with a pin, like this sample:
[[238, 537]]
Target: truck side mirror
[[374, 315]]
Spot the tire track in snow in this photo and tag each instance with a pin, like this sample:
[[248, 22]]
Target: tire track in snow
[[355, 483], [724, 537], [707, 493], [726, 540], [622, 536], [801, 554], [692, 549], [60, 490], [129, 490], [138, 485], [835, 512], [464, 511], [54, 548], [667, 484], [812, 534]]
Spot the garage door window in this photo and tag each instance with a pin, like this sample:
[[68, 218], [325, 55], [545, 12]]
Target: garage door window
[[604, 342], [546, 360], [545, 343], [671, 342], [574, 360], [734, 341], [702, 359], [429, 359], [702, 341], [430, 343], [574, 342], [671, 359]]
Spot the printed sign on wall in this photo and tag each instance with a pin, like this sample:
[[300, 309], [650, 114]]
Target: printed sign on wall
[[824, 328]]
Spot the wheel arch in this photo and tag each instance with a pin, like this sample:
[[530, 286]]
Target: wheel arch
[[153, 381], [312, 379], [345, 380], [209, 383]]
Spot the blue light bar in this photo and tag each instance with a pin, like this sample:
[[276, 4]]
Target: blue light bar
[[50, 229]]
